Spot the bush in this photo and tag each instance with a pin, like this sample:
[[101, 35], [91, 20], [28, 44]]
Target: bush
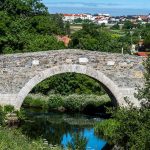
[[2, 116], [72, 102], [110, 127], [13, 139], [55, 101]]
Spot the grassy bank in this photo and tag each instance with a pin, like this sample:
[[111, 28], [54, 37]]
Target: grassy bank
[[14, 139], [73, 103]]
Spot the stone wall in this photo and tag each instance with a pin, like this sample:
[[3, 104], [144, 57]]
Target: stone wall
[[124, 71]]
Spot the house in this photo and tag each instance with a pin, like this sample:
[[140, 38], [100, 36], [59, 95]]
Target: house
[[101, 20], [68, 17], [72, 17]]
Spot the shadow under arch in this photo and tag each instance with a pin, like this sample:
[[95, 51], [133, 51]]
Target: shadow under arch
[[111, 88]]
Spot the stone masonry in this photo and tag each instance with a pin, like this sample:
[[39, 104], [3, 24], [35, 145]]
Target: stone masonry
[[19, 73]]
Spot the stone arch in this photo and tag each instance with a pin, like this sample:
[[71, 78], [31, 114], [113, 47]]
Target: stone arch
[[82, 69]]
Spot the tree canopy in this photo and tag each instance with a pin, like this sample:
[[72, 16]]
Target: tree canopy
[[26, 25]]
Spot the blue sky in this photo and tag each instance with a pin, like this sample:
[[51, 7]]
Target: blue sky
[[130, 4], [113, 7]]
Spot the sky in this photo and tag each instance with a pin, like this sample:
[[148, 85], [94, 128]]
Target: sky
[[66, 6]]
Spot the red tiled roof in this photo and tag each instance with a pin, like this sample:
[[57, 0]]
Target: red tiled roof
[[75, 15], [68, 15]]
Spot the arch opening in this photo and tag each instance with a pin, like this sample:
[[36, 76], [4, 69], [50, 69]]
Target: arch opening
[[110, 87]]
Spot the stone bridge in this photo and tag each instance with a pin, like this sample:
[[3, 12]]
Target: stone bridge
[[119, 74]]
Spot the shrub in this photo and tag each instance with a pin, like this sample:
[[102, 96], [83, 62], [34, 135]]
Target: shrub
[[110, 127], [55, 101], [2, 116], [14, 139]]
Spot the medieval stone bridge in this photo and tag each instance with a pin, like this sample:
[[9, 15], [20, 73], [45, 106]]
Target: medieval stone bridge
[[119, 74]]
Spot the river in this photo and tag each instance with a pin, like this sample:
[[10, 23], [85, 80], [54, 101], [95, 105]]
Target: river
[[63, 129]]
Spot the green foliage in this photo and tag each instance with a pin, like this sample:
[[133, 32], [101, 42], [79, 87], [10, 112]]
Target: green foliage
[[115, 27], [67, 28], [8, 109], [98, 38], [26, 26], [38, 102], [4, 111], [2, 116], [81, 21], [14, 139], [55, 101], [81, 102], [128, 25], [147, 40], [69, 83], [78, 142], [23, 8], [107, 129], [41, 43], [144, 93], [73, 103], [129, 128]]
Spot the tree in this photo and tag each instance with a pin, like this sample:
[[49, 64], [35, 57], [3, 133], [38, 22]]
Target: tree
[[144, 93], [25, 26], [69, 83], [128, 25], [115, 27], [78, 20], [23, 7], [67, 28], [147, 41]]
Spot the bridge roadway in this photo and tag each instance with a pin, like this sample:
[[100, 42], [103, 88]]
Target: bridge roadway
[[119, 74]]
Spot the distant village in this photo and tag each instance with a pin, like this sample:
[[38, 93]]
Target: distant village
[[105, 18]]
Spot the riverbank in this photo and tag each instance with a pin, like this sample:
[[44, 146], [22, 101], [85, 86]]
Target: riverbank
[[70, 103], [14, 139], [36, 131]]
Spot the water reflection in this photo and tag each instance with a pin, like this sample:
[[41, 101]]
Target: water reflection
[[73, 131]]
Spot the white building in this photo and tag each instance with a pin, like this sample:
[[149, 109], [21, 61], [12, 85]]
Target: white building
[[72, 17], [68, 17], [101, 21]]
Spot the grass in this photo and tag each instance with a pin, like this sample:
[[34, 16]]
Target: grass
[[72, 103], [75, 28], [12, 139]]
